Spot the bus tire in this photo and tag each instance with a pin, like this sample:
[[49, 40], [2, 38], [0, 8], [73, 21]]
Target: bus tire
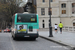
[[34, 39], [14, 38]]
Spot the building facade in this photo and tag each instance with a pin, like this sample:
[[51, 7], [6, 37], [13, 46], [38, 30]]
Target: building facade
[[61, 10]]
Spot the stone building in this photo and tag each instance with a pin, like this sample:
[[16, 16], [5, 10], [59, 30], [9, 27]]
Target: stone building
[[62, 10]]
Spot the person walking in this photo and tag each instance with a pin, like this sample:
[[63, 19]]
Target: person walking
[[60, 26], [56, 26]]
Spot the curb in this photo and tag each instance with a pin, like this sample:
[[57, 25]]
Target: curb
[[60, 43]]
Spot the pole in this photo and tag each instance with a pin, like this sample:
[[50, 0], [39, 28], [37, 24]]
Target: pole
[[50, 27]]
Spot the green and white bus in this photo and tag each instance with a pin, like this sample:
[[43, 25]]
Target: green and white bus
[[25, 25]]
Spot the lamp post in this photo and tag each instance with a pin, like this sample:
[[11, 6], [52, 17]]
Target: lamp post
[[50, 27]]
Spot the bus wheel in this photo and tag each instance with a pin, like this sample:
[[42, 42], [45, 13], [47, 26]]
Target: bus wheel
[[34, 39], [14, 38]]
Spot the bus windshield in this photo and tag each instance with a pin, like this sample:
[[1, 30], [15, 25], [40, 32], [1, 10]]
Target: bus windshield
[[29, 18]]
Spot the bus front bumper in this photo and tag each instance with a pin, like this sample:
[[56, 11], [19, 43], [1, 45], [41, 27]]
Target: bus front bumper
[[26, 35]]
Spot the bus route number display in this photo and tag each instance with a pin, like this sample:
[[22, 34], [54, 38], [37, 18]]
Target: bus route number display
[[32, 19]]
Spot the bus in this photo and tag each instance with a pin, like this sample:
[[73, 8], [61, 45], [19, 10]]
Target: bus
[[25, 26]]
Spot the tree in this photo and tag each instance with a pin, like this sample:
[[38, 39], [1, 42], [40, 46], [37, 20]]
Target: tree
[[7, 10]]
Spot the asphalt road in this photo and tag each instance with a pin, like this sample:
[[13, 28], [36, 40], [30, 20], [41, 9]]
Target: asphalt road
[[7, 43]]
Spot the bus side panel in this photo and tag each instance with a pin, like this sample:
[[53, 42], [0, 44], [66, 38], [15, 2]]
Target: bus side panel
[[15, 18], [38, 21]]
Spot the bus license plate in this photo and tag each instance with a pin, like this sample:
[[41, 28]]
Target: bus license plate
[[26, 36]]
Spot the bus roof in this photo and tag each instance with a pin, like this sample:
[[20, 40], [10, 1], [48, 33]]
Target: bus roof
[[26, 13]]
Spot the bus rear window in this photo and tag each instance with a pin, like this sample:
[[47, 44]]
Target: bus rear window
[[30, 18]]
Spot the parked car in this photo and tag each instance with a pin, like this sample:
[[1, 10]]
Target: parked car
[[0, 30], [7, 30]]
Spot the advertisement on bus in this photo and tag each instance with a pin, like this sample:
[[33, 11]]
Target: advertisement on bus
[[22, 28]]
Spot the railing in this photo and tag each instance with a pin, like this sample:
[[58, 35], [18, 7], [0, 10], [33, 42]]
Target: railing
[[70, 29], [65, 28]]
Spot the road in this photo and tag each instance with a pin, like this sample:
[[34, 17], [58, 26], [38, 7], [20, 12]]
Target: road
[[7, 43]]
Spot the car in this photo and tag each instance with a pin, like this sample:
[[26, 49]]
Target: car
[[7, 30], [0, 30]]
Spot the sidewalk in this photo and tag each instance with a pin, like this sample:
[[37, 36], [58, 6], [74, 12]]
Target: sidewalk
[[66, 38]]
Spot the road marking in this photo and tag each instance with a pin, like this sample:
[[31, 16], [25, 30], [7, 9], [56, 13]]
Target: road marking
[[59, 47], [12, 43]]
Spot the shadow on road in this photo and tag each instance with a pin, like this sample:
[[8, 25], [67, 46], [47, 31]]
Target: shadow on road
[[25, 39]]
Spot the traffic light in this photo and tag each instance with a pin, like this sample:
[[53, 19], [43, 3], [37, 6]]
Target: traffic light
[[50, 11]]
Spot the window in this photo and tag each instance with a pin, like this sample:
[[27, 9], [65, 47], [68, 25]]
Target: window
[[42, 11], [63, 5], [43, 25], [63, 11], [30, 28], [51, 0], [43, 0], [29, 18], [74, 24], [73, 8], [43, 21]]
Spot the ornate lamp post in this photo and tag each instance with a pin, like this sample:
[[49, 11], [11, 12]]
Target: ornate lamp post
[[50, 27]]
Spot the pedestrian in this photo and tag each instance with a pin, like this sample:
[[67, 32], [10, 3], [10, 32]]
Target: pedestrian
[[60, 26], [56, 27]]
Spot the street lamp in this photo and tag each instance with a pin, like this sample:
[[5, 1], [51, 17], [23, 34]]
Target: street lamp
[[50, 27]]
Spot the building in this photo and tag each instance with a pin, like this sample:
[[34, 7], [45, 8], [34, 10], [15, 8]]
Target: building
[[42, 11], [62, 10]]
